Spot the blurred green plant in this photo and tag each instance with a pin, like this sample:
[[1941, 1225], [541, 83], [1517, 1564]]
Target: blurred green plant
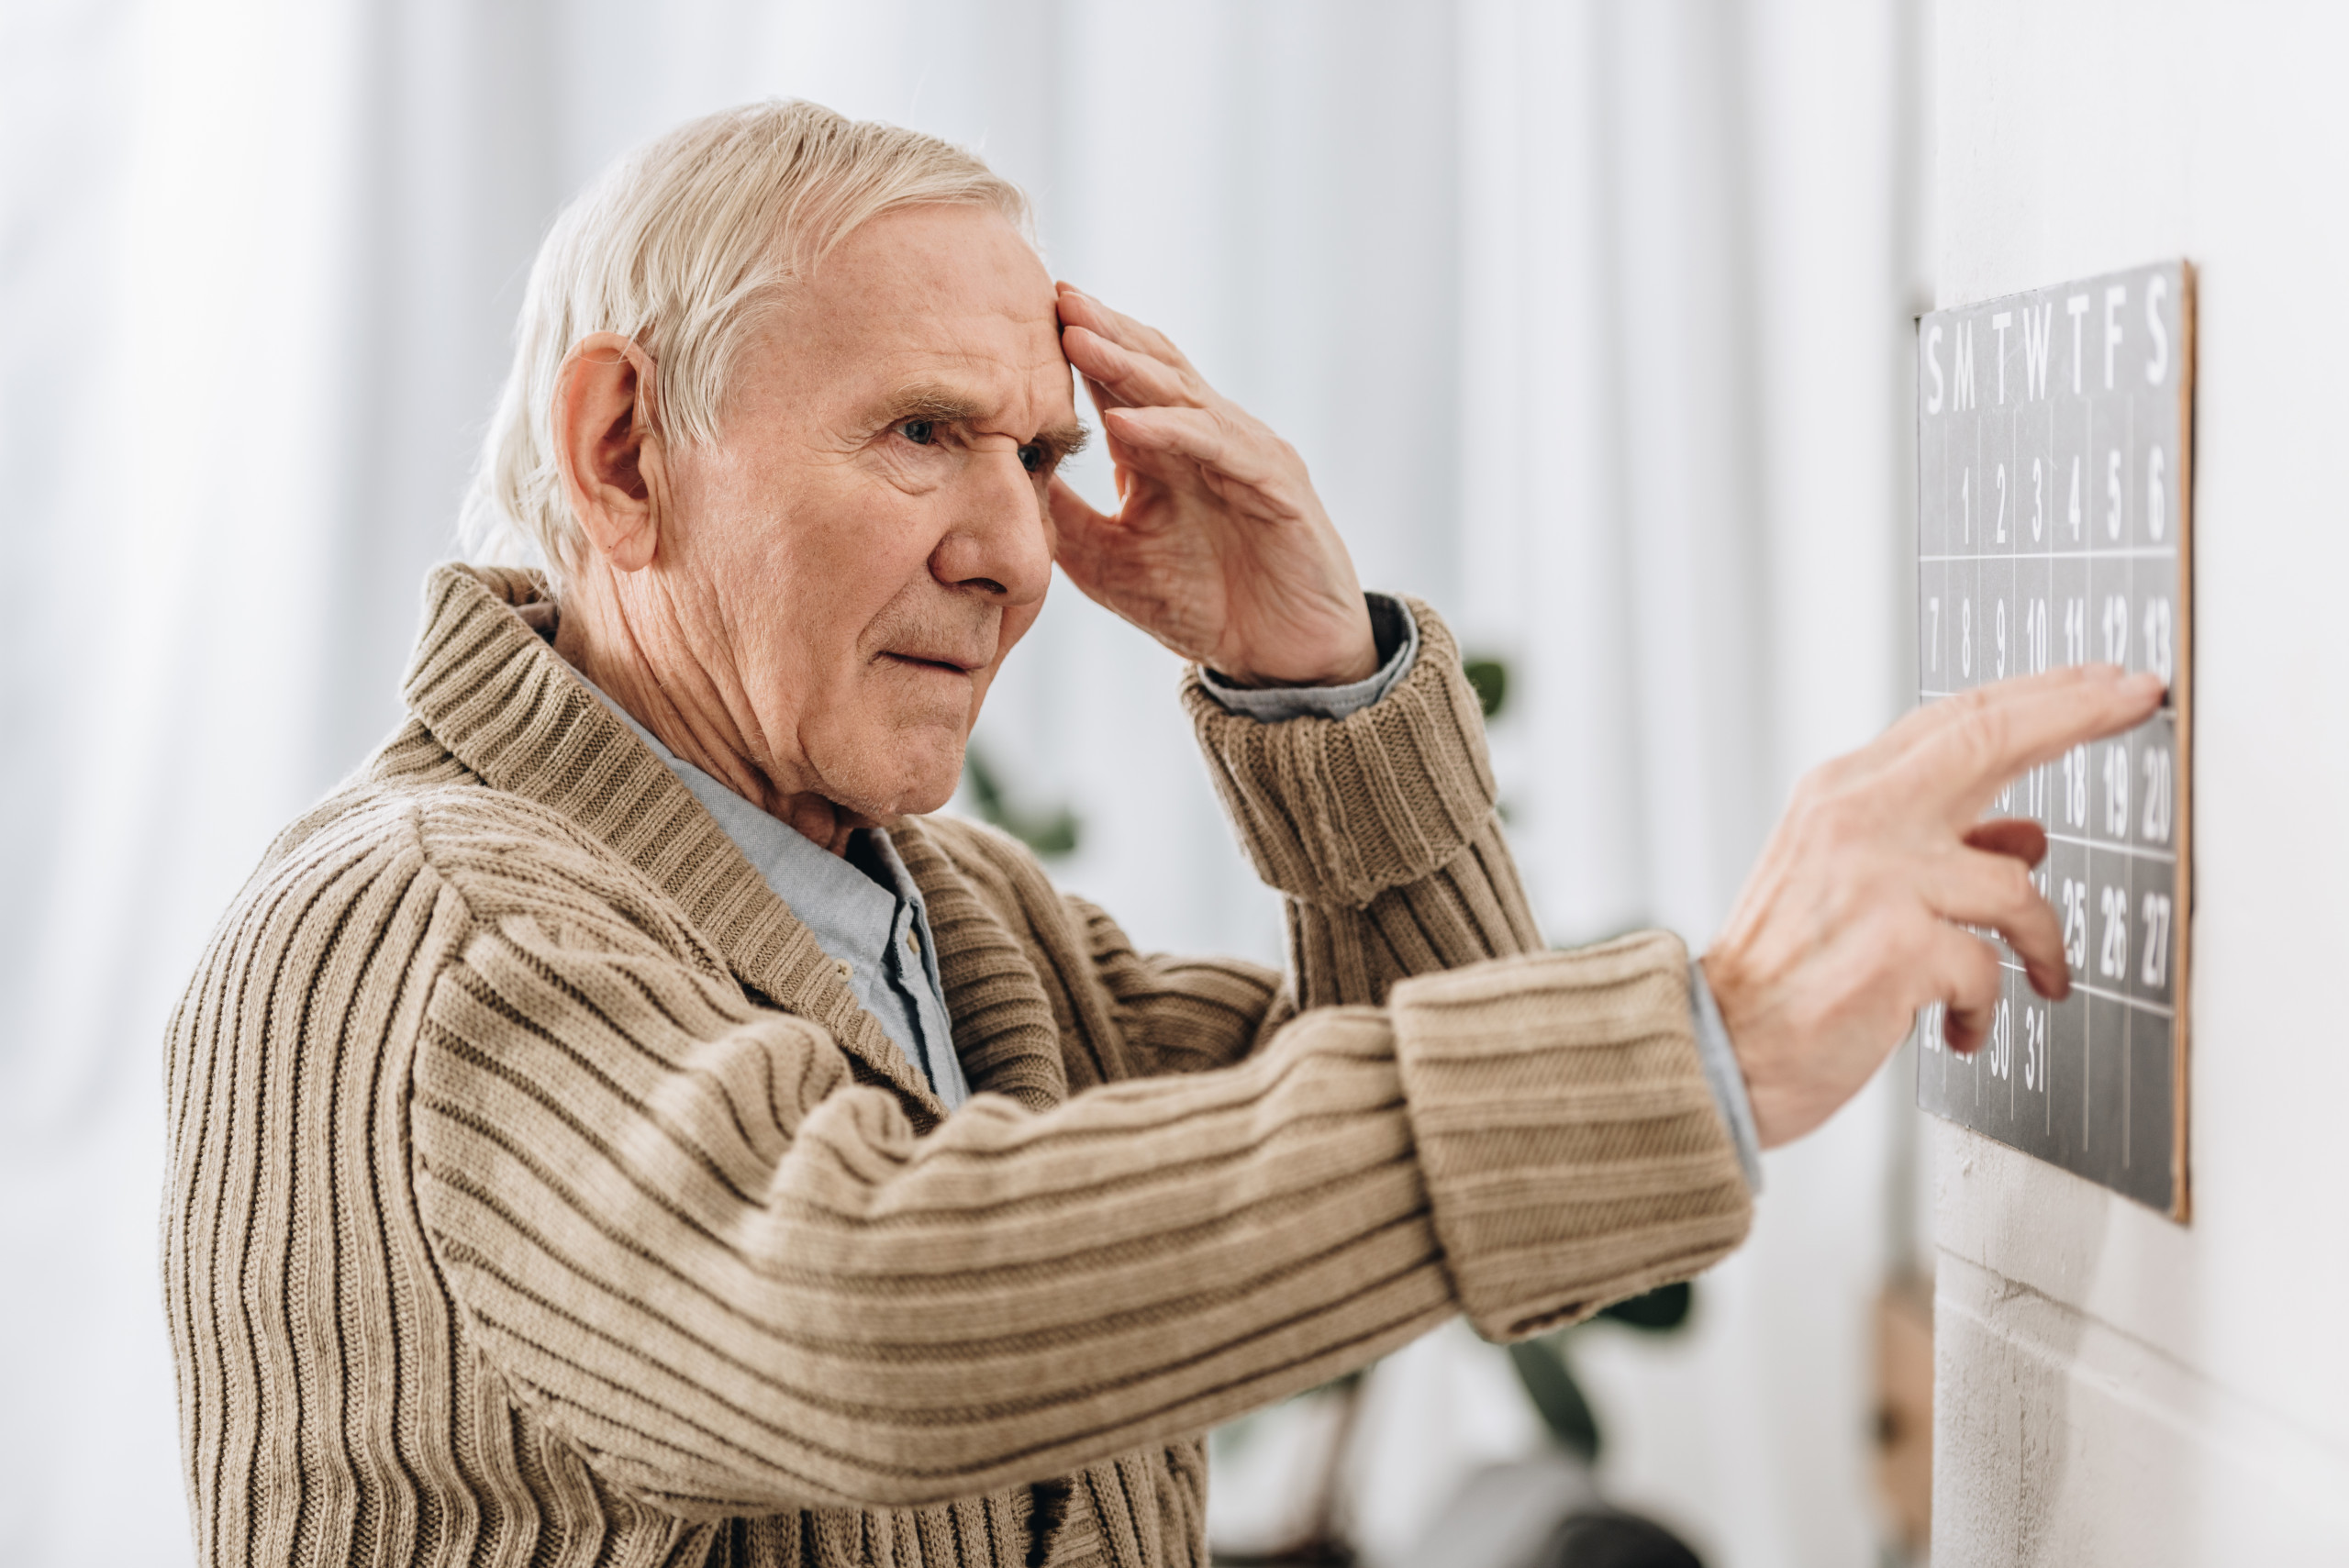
[[1659, 1310], [1050, 833], [1490, 678], [1542, 1368]]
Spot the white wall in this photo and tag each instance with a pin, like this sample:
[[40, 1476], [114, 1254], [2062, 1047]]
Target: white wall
[[2112, 1388]]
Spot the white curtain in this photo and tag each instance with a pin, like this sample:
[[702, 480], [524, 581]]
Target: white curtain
[[1588, 316]]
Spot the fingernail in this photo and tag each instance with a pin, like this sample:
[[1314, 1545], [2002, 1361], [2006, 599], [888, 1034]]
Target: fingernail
[[2143, 684]]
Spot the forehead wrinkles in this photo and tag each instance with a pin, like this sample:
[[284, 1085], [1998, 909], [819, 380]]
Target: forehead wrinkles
[[912, 308], [998, 373]]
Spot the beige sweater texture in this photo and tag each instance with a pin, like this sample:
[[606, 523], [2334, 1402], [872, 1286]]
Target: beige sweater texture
[[539, 1194]]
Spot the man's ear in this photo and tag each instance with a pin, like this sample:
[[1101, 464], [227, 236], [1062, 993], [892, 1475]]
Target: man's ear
[[612, 460]]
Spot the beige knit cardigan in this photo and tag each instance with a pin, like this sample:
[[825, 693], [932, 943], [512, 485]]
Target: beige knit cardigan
[[539, 1194]]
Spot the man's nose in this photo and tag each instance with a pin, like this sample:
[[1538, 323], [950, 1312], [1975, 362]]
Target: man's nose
[[1000, 543]]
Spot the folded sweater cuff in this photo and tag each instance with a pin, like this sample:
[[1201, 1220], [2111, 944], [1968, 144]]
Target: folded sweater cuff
[[1572, 1150], [1335, 812], [1396, 638]]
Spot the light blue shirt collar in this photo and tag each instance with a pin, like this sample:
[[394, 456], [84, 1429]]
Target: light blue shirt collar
[[879, 936]]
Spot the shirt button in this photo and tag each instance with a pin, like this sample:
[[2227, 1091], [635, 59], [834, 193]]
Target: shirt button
[[847, 973], [913, 943]]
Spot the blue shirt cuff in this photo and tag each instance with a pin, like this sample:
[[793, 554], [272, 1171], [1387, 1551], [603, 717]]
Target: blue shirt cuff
[[1722, 1073], [1397, 637]]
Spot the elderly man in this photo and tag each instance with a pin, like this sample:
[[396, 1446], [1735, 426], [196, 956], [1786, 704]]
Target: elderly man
[[618, 1126]]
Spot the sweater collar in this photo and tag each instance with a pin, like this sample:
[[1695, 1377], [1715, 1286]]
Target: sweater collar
[[492, 691]]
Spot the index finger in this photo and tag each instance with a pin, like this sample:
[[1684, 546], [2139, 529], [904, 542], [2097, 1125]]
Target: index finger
[[1128, 378], [1078, 308], [1966, 748]]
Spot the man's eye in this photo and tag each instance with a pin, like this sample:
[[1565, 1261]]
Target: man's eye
[[918, 431], [1031, 458]]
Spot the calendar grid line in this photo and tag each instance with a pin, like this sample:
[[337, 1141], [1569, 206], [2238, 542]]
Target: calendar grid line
[[2158, 1010], [2165, 856], [1927, 695], [2118, 552]]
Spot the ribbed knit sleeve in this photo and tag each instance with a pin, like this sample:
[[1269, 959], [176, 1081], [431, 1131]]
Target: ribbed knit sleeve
[[1572, 1150], [1379, 829], [1179, 1014], [694, 1247], [1336, 811]]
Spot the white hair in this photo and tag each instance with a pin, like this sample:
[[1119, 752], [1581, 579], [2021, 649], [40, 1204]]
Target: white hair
[[683, 247]]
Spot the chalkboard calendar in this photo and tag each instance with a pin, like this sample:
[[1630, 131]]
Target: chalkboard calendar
[[2054, 439]]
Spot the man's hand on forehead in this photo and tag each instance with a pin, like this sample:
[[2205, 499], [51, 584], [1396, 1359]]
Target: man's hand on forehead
[[1219, 546]]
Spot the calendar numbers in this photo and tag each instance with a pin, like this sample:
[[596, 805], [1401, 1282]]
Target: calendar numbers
[[2080, 475], [2116, 790], [2157, 638], [2156, 918], [2113, 957], [2155, 826]]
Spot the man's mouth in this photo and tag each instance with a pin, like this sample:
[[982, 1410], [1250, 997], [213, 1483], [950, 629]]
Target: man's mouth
[[949, 662]]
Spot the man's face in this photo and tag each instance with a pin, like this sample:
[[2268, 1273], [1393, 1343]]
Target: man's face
[[870, 537]]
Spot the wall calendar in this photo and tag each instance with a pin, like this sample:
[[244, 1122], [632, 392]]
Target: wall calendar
[[2055, 526]]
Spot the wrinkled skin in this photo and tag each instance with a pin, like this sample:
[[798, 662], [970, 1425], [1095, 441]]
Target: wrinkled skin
[[1844, 929]]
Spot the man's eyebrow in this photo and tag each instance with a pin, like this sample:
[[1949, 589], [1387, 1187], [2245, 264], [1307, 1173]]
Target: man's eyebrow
[[927, 400], [1065, 441], [935, 400]]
